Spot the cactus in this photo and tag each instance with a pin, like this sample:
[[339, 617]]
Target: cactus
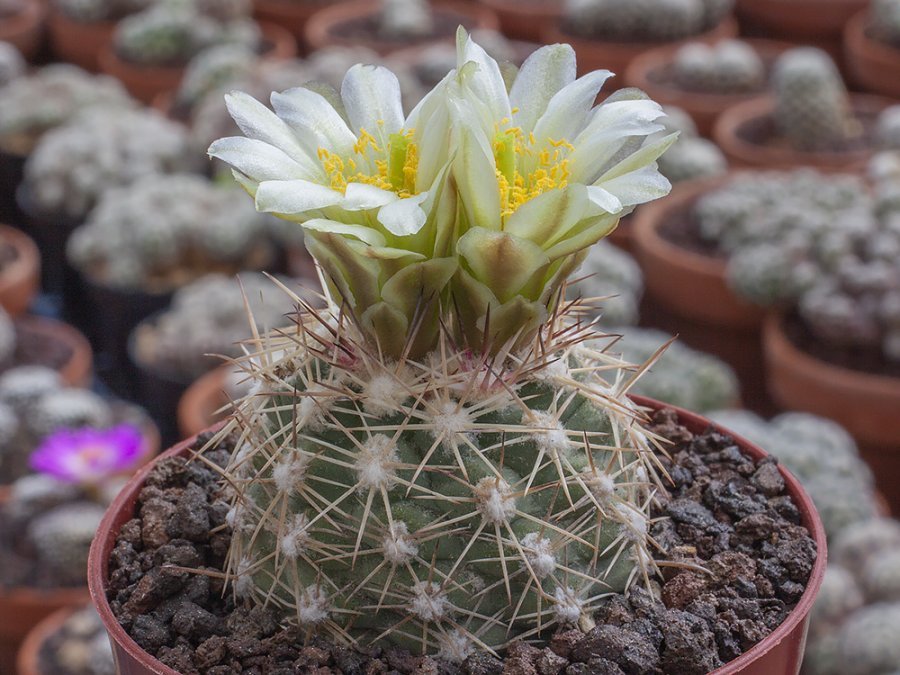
[[887, 130], [12, 65], [62, 538], [97, 11], [613, 275], [643, 20], [885, 23], [682, 376], [67, 408], [32, 105], [405, 20], [23, 386], [168, 34], [206, 317], [82, 645], [812, 107], [73, 165], [868, 641], [691, 159], [165, 230], [212, 70], [433, 460], [728, 67], [839, 597], [856, 546], [881, 577]]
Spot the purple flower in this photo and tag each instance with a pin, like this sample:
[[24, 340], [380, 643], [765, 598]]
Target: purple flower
[[88, 455]]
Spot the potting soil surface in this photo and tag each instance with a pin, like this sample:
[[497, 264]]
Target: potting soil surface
[[724, 511]]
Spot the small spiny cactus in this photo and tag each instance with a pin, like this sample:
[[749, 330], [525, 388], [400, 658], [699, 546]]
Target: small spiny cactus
[[68, 409], [885, 24], [7, 338], [12, 65], [839, 597], [881, 577], [856, 546], [96, 11], [691, 157], [728, 67], [62, 538], [613, 275], [812, 107], [405, 19], [868, 641], [213, 69], [887, 131], [643, 20], [22, 386]]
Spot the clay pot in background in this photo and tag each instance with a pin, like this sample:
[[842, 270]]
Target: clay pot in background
[[199, 407], [525, 19], [324, 28], [25, 30], [865, 404], [804, 21], [145, 83], [78, 370], [649, 72], [617, 56], [746, 134], [871, 64], [291, 15], [78, 42], [779, 653], [20, 279], [687, 294], [28, 658]]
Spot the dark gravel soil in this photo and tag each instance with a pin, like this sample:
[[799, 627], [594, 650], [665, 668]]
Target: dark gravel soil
[[724, 512], [682, 229]]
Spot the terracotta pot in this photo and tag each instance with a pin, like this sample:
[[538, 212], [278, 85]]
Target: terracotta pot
[[291, 15], [678, 278], [323, 28], [617, 56], [651, 72], [865, 404], [198, 407], [871, 64], [687, 294], [78, 370], [78, 42], [623, 235], [779, 653], [25, 30], [21, 278], [525, 19], [28, 659], [145, 83], [730, 133], [799, 20]]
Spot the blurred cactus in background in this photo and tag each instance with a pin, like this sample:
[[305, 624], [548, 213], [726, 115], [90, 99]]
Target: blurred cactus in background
[[885, 22], [728, 67], [405, 20], [95, 11], [610, 279], [643, 20], [691, 156], [12, 65]]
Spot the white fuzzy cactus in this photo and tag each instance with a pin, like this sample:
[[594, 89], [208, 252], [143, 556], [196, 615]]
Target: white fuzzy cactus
[[643, 20], [405, 19], [728, 67], [7, 337], [12, 65]]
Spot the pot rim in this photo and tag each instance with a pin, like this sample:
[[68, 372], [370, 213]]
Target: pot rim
[[28, 655], [25, 270], [776, 340], [857, 39], [98, 561], [725, 134]]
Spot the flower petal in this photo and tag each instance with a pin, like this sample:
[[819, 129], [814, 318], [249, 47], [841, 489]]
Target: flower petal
[[604, 199], [361, 197], [474, 169], [309, 113], [294, 196], [485, 86], [364, 234], [256, 159], [371, 96], [541, 77], [260, 123], [567, 112], [638, 187], [404, 216]]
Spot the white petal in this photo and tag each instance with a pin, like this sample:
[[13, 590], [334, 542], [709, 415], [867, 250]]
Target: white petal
[[307, 112], [541, 77], [485, 87], [638, 187], [371, 96], [604, 199], [404, 216], [294, 196], [475, 169], [365, 234], [257, 160], [567, 112], [260, 123], [359, 197]]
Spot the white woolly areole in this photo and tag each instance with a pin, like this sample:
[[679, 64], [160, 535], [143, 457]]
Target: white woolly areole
[[429, 602], [314, 402], [567, 606], [550, 434], [554, 371], [450, 420], [375, 462], [601, 485], [243, 581], [634, 524], [290, 472], [399, 547], [539, 554], [242, 465], [313, 606], [240, 516], [295, 537], [383, 395], [493, 498], [456, 647]]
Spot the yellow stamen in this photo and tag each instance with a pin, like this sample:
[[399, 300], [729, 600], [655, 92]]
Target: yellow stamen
[[552, 170], [396, 167]]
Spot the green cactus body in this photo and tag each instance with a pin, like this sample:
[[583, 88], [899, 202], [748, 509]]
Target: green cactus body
[[812, 107], [435, 504]]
